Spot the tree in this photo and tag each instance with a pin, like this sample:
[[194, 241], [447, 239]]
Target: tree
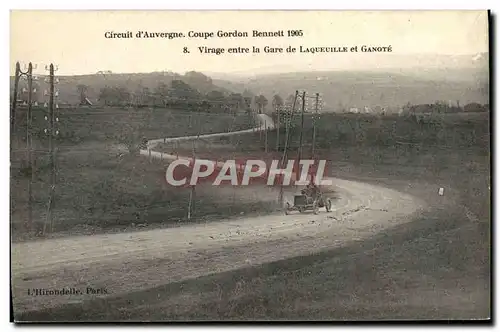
[[137, 96], [277, 102], [146, 96], [289, 101], [183, 91], [217, 100], [82, 91], [107, 96], [182, 95], [201, 81], [114, 96], [132, 132], [261, 103], [474, 107], [215, 96], [123, 95], [247, 104], [237, 100], [161, 94]]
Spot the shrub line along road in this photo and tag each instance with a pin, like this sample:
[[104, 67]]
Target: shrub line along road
[[129, 262]]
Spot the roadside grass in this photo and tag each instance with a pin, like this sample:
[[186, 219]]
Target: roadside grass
[[418, 274], [435, 266], [101, 184], [112, 124]]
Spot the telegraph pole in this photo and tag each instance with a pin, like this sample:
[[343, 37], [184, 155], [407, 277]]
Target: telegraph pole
[[14, 100], [265, 133], [192, 194], [52, 132], [316, 107], [287, 131], [29, 131], [193, 190], [278, 110], [29, 145], [302, 125], [284, 159]]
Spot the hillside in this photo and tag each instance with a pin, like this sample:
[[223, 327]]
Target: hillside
[[134, 82], [391, 83], [415, 80], [341, 89]]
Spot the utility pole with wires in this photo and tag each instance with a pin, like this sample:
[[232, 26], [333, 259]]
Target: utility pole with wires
[[315, 118], [14, 100], [302, 125], [279, 109], [192, 194], [287, 128], [27, 74], [52, 132], [265, 138], [284, 159], [29, 143]]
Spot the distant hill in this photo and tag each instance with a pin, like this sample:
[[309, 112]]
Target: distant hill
[[69, 93], [418, 79], [462, 78], [345, 89], [367, 62]]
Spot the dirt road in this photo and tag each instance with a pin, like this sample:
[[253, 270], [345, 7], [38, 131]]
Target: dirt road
[[122, 263], [110, 265]]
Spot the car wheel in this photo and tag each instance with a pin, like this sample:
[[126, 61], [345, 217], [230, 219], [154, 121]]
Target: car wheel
[[328, 205]]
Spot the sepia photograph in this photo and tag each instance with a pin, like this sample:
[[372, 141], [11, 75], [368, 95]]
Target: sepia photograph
[[250, 166]]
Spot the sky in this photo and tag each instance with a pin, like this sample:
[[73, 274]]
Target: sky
[[75, 40]]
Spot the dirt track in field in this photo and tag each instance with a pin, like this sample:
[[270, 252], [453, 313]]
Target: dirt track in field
[[122, 263], [127, 262]]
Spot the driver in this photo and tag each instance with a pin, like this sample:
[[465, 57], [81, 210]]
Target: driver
[[312, 190]]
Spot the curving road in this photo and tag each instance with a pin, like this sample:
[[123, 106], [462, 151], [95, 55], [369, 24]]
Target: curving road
[[127, 262]]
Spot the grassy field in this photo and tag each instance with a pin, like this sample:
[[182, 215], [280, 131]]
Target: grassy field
[[435, 266], [80, 125], [102, 184]]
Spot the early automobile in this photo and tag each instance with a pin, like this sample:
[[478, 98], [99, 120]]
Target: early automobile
[[310, 198]]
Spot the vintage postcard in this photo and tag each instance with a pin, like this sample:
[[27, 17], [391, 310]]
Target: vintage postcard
[[250, 165]]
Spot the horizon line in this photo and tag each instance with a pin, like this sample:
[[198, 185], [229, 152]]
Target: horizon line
[[243, 72]]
